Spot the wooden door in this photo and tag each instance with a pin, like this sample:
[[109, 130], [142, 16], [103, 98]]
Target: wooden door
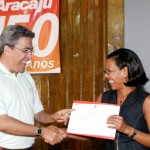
[[89, 29]]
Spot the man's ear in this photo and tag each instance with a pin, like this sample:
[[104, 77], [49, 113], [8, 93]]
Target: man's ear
[[7, 49]]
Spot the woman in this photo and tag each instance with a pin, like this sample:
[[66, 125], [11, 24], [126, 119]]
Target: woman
[[125, 74]]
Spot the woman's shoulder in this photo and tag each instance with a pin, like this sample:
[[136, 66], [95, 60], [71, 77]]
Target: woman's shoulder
[[105, 95], [110, 92]]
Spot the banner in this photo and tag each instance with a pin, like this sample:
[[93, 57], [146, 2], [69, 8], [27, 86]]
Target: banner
[[42, 17]]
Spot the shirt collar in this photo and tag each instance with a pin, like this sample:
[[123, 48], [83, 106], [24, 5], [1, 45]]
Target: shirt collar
[[4, 70]]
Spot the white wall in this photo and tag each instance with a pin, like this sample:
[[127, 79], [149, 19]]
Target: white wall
[[137, 31]]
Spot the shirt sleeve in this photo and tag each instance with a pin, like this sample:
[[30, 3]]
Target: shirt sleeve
[[37, 102], [2, 105]]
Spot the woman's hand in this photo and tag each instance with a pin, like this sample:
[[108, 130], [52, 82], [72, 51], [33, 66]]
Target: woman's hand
[[117, 122]]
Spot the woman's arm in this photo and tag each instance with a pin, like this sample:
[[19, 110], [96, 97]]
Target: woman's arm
[[77, 137], [144, 138], [99, 98]]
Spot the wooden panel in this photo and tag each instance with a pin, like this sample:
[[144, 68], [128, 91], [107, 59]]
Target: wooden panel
[[86, 28], [115, 24]]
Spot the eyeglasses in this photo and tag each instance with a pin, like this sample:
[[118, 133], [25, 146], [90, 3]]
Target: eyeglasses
[[108, 71], [26, 50]]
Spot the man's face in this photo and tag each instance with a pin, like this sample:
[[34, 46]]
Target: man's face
[[20, 54]]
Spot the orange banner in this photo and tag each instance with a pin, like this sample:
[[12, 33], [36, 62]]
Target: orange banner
[[42, 17]]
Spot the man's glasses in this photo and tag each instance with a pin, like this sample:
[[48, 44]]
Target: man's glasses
[[26, 50]]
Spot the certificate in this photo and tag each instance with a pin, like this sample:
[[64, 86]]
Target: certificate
[[89, 119]]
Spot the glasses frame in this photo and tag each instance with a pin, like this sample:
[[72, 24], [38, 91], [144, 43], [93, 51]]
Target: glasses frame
[[26, 50], [108, 71]]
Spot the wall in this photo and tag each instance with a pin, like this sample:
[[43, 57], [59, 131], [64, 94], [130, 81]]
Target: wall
[[82, 50], [137, 31], [86, 28]]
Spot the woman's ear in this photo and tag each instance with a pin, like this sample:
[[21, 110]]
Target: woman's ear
[[125, 72]]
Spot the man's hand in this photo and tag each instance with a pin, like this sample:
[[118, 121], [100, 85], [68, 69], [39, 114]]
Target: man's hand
[[62, 115], [52, 135]]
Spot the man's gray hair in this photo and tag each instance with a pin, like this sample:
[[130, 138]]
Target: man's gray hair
[[12, 33]]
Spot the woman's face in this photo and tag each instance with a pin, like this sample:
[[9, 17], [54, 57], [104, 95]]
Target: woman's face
[[114, 75]]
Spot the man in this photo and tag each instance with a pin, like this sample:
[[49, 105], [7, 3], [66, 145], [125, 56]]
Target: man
[[19, 100]]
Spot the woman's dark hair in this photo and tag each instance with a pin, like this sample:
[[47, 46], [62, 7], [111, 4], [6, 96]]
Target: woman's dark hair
[[12, 33], [127, 58]]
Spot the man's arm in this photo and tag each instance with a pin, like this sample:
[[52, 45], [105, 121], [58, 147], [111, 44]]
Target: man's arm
[[59, 116], [13, 126]]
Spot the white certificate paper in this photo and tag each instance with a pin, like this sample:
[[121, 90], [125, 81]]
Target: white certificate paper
[[89, 119]]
